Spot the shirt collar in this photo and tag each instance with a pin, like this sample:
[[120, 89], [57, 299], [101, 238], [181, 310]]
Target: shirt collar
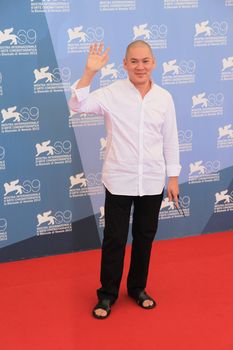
[[132, 86]]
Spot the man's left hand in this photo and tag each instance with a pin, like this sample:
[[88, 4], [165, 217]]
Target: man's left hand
[[173, 190]]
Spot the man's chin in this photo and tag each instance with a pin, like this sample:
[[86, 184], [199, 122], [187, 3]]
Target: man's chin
[[140, 79]]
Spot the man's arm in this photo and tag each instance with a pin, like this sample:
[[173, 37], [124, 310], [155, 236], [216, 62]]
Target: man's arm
[[80, 90], [171, 152], [95, 61]]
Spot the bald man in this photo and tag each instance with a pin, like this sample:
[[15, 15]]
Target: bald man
[[142, 149]]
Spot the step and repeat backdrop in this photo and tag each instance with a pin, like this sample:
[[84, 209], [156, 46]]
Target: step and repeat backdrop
[[51, 196]]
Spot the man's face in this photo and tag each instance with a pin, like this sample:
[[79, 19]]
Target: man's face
[[139, 64]]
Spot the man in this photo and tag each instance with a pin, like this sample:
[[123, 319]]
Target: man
[[142, 148]]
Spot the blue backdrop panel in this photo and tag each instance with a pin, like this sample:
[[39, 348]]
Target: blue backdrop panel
[[51, 196]]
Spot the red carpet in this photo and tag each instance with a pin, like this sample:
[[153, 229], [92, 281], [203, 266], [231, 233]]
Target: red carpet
[[46, 303]]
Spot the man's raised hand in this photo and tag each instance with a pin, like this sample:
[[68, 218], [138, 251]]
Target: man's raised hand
[[95, 61], [96, 58]]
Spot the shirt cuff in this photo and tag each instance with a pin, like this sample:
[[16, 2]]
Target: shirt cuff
[[173, 170], [80, 93]]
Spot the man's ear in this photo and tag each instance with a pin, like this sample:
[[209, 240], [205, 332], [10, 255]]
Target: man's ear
[[155, 63], [125, 63]]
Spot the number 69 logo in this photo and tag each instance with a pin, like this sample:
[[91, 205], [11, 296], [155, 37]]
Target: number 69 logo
[[94, 179]]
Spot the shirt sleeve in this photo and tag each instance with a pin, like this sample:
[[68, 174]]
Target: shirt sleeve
[[170, 140], [84, 101]]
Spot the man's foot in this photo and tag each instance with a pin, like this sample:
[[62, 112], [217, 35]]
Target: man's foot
[[144, 300], [102, 309]]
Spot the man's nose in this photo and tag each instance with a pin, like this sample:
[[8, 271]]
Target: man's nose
[[140, 65]]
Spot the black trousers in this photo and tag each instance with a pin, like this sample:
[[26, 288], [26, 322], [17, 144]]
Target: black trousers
[[144, 227]]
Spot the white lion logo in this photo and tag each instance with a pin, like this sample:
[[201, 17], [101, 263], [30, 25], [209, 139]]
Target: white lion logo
[[197, 168], [171, 66], [76, 33], [44, 147], [6, 36], [203, 28], [46, 217], [141, 31], [167, 204], [200, 100], [11, 113], [225, 131], [227, 63], [103, 143], [101, 212], [223, 196], [78, 180], [43, 73], [12, 187], [109, 70]]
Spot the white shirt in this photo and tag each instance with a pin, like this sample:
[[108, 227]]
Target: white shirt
[[142, 142]]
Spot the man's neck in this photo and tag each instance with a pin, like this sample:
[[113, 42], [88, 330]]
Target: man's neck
[[144, 88]]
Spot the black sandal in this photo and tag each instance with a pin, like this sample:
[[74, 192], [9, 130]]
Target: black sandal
[[104, 304], [141, 297]]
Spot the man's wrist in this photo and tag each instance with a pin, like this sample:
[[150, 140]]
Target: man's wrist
[[89, 73], [173, 178], [86, 79]]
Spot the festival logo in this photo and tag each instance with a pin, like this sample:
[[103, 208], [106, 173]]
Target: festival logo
[[200, 172], [47, 81], [40, 6], [177, 4], [19, 121], [77, 120], [225, 136], [103, 144], [185, 140], [51, 154], [117, 5], [7, 35], [223, 201], [110, 73], [2, 158], [3, 229], [155, 35], [48, 223], [207, 34], [101, 217], [81, 185], [227, 68], [79, 40], [168, 209], [42, 73], [17, 44], [26, 192], [207, 105], [178, 73]]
